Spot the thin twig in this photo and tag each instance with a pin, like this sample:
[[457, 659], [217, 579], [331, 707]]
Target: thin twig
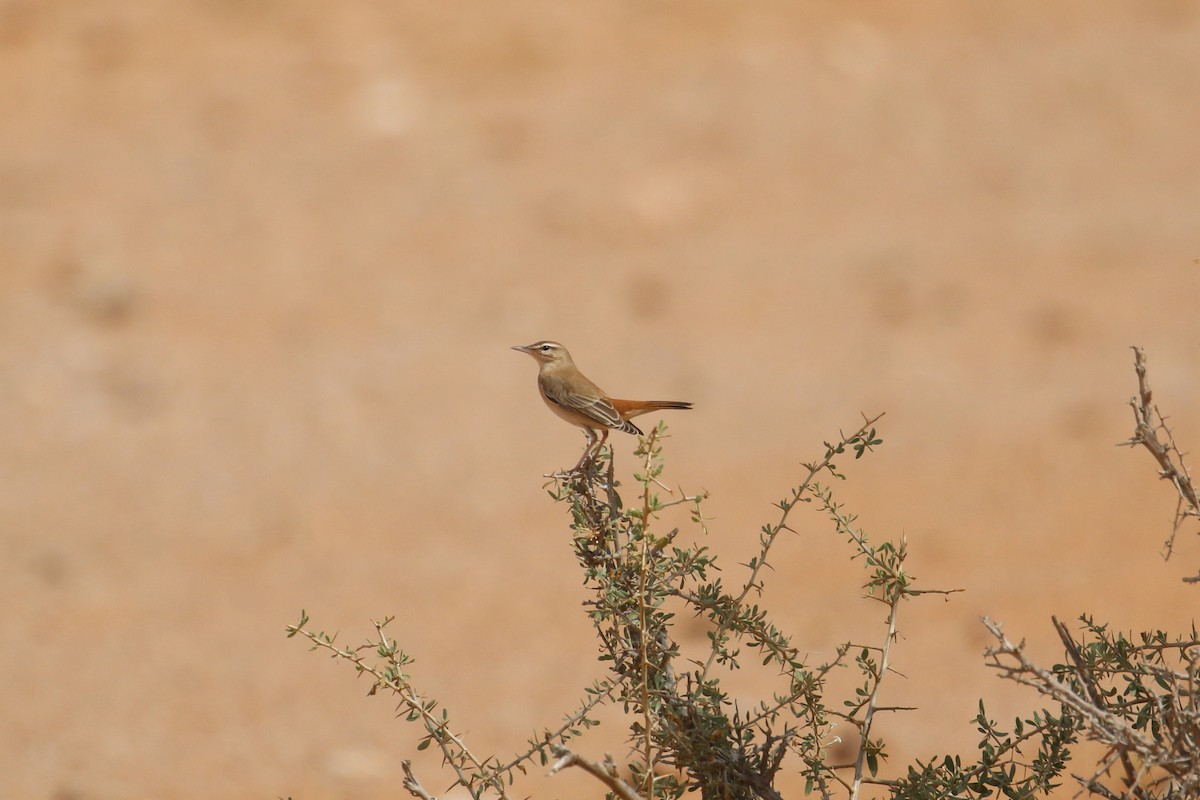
[[1094, 695], [933, 591], [768, 539], [643, 617], [411, 783], [860, 760], [452, 746], [1149, 421], [1094, 786], [606, 773], [572, 720]]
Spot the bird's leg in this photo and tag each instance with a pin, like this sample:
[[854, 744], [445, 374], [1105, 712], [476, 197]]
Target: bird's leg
[[597, 445], [587, 451]]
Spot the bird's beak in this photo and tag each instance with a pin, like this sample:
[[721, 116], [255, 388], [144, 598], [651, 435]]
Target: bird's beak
[[524, 348]]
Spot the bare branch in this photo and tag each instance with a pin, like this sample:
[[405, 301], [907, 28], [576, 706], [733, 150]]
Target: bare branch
[[606, 773], [1104, 725], [1149, 423], [411, 783]]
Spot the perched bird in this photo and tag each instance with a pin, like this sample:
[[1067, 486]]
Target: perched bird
[[570, 395]]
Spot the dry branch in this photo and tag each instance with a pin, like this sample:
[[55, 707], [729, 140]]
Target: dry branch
[[1149, 423], [606, 773]]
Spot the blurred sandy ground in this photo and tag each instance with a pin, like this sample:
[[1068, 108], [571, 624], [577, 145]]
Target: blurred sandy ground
[[261, 262]]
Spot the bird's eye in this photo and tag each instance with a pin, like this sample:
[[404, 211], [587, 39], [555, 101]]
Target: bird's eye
[[545, 348]]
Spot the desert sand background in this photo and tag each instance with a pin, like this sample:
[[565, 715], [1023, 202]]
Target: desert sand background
[[261, 262]]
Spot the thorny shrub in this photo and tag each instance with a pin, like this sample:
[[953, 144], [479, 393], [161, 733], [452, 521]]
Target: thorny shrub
[[685, 733]]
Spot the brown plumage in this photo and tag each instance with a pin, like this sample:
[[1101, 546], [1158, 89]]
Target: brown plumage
[[574, 398]]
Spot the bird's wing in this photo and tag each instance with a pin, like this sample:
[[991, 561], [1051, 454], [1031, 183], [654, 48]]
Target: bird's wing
[[592, 404]]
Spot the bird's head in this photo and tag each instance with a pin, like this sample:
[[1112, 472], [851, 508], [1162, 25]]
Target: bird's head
[[546, 352]]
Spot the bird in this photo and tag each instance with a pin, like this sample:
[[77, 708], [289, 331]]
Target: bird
[[570, 395]]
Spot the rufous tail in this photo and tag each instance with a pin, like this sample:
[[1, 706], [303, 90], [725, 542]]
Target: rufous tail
[[633, 408]]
